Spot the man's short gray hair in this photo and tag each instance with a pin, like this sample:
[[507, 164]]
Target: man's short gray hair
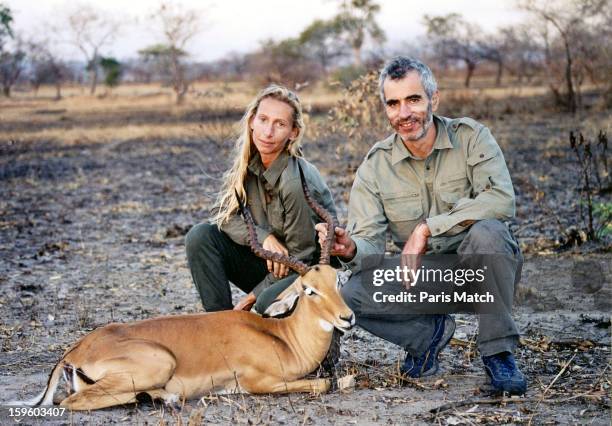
[[397, 68]]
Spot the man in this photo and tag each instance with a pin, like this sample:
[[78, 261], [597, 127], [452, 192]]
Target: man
[[438, 185]]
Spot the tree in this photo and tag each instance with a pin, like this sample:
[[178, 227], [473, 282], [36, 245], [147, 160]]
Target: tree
[[523, 54], [321, 40], [11, 65], [6, 20], [112, 71], [90, 30], [568, 18], [159, 58], [45, 67], [11, 61], [492, 49], [454, 39], [283, 62], [356, 21], [178, 26]]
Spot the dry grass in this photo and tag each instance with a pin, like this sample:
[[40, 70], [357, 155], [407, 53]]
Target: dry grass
[[134, 111], [148, 111], [217, 131]]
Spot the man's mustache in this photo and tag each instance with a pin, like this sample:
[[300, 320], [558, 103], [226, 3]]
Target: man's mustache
[[407, 120]]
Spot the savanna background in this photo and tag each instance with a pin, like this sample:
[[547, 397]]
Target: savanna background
[[107, 161]]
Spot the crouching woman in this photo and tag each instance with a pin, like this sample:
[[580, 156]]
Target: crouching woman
[[265, 174]]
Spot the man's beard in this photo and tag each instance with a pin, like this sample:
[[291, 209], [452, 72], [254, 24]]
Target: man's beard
[[425, 124]]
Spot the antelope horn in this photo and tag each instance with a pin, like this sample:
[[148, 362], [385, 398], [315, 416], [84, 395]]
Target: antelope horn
[[290, 261], [329, 219]]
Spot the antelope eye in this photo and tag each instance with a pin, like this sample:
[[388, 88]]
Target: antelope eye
[[308, 291]]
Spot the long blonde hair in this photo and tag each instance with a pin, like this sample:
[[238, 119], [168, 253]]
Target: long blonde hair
[[234, 178]]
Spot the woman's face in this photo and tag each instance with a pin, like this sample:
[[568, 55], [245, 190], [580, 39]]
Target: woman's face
[[272, 127]]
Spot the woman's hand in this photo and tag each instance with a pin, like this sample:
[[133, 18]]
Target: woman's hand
[[272, 244], [246, 303]]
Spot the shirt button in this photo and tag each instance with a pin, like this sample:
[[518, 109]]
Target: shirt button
[[437, 247], [437, 229], [427, 168], [481, 155]]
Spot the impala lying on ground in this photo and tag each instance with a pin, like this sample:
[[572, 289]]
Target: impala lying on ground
[[188, 356]]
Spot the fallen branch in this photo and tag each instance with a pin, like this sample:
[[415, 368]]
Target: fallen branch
[[395, 376], [559, 374]]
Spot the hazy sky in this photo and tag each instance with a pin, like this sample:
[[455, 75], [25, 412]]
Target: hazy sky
[[232, 25]]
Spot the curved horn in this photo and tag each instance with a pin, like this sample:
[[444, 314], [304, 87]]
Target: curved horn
[[290, 261], [329, 219]]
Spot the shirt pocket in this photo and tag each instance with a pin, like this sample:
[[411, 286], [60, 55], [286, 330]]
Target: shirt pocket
[[402, 206], [452, 188], [276, 215]]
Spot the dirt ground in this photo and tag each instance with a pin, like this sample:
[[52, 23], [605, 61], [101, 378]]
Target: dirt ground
[[93, 232]]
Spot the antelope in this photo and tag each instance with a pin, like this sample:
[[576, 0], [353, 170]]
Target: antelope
[[188, 356]]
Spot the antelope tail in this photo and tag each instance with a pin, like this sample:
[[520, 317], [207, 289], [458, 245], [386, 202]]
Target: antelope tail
[[46, 396]]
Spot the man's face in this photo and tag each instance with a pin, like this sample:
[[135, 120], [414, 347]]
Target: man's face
[[408, 109]]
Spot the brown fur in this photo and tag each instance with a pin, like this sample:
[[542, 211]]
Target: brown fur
[[188, 356]]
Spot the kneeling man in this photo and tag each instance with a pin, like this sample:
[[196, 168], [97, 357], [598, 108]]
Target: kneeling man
[[438, 185]]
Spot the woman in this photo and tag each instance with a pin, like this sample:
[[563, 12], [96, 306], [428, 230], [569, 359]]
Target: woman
[[265, 173]]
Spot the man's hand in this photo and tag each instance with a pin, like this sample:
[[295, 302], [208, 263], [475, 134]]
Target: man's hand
[[344, 246], [245, 303], [414, 248], [272, 244]]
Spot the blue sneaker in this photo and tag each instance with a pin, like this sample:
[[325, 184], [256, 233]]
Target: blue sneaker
[[505, 376], [427, 363]]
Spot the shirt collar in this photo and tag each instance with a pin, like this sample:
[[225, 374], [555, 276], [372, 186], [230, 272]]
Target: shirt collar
[[399, 151], [272, 173]]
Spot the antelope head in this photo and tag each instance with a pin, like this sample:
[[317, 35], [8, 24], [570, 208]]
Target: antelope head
[[317, 287]]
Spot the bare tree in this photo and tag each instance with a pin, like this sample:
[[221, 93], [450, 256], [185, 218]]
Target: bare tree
[[523, 54], [492, 49], [177, 26], [568, 18], [90, 30], [454, 39], [46, 67], [356, 22], [12, 63]]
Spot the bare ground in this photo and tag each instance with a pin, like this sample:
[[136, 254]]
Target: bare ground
[[93, 233]]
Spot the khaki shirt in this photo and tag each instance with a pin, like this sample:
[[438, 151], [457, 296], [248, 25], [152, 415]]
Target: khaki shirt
[[465, 178], [277, 203]]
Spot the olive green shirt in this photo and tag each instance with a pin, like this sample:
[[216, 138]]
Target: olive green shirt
[[464, 179], [277, 203]]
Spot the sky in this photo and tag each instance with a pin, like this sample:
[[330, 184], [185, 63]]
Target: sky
[[240, 26]]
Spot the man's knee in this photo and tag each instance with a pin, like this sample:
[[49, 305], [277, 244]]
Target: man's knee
[[489, 236], [200, 235], [351, 292]]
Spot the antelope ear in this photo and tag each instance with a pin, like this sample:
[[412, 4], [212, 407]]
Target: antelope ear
[[285, 302]]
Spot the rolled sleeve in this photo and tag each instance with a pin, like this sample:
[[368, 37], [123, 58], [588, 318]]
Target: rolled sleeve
[[367, 224]]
